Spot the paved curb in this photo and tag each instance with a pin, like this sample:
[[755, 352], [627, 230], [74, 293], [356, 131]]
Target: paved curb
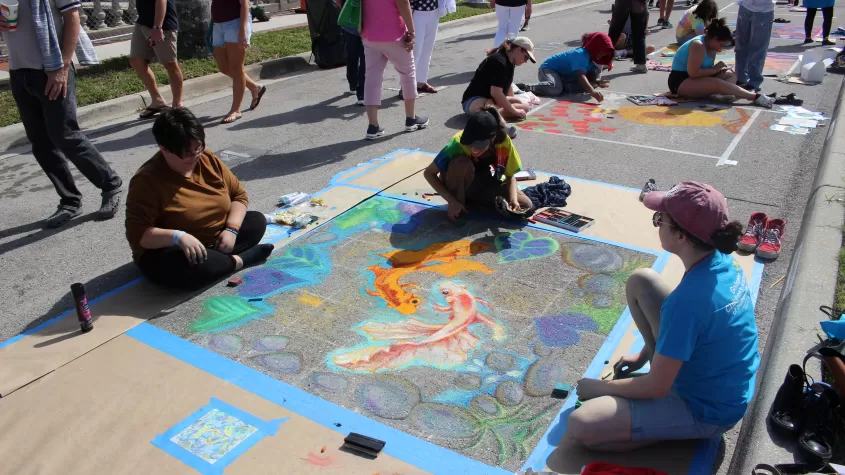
[[121, 107], [810, 282]]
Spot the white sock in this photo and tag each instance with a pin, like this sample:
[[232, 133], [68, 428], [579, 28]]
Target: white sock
[[621, 52]]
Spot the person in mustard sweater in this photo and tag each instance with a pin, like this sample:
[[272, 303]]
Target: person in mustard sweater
[[186, 213]]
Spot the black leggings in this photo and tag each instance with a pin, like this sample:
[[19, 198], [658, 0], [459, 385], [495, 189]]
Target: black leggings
[[827, 12], [170, 267]]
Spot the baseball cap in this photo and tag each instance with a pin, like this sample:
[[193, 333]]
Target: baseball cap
[[480, 129], [526, 44], [698, 208]]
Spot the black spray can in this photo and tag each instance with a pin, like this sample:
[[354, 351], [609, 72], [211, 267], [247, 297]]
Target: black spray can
[[82, 311]]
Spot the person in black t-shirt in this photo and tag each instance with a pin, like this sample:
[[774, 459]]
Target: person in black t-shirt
[[154, 37], [492, 84]]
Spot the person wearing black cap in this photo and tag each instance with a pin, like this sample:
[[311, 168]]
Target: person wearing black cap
[[477, 166]]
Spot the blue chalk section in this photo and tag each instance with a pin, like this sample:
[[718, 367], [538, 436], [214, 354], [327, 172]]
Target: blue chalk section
[[68, 312], [405, 447], [756, 279], [263, 428]]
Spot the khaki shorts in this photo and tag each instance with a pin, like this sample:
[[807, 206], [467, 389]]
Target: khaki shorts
[[140, 47]]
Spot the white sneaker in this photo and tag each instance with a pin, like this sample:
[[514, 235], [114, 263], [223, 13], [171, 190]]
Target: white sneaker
[[764, 101]]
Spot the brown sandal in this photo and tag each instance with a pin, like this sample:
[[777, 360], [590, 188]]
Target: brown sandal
[[426, 88]]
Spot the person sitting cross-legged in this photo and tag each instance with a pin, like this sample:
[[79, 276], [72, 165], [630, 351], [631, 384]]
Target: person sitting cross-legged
[[478, 165], [694, 74], [186, 213], [700, 338]]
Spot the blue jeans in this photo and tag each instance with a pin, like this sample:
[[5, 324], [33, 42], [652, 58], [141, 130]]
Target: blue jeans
[[753, 32]]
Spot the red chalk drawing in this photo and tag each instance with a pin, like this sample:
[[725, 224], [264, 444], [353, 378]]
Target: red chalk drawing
[[554, 131], [321, 461], [593, 119], [607, 129]]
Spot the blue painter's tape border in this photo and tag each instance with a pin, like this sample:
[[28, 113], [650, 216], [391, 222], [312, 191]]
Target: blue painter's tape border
[[263, 428], [756, 279], [53, 320], [405, 447]]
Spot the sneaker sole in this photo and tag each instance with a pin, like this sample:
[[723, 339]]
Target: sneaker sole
[[767, 255], [746, 247], [412, 128], [374, 136]]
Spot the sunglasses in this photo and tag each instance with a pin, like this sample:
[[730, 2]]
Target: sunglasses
[[657, 220]]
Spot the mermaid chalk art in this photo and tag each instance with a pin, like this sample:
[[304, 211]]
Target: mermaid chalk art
[[441, 344]]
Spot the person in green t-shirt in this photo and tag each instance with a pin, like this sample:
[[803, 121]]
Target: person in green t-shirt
[[478, 165]]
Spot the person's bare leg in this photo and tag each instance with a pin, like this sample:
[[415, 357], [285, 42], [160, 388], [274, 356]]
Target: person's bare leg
[[668, 4], [239, 263], [519, 103], [706, 87], [459, 177], [645, 292], [235, 54], [174, 75], [372, 115], [142, 67], [222, 60], [409, 108], [603, 424]]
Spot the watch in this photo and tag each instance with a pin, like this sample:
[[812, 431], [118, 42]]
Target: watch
[[156, 28]]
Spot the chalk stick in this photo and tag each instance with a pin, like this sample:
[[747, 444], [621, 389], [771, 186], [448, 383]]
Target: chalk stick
[[561, 391], [235, 281]]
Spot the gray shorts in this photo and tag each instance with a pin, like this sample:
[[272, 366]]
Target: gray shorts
[[669, 418]]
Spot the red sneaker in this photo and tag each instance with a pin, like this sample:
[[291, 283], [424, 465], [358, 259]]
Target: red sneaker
[[754, 232], [769, 247]]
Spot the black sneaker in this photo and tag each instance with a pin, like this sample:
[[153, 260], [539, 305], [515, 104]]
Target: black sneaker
[[660, 22], [827, 42], [417, 123], [667, 24], [109, 205], [374, 132], [62, 216]]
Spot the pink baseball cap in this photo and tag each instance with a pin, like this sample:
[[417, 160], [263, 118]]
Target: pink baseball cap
[[698, 208]]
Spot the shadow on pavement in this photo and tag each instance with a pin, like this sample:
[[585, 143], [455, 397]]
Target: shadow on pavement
[[309, 114], [41, 234], [480, 36], [282, 164]]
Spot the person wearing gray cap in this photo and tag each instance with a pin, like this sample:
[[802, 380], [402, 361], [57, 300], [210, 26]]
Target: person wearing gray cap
[[477, 166], [492, 84]]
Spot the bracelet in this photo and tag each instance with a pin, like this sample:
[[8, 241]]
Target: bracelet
[[231, 230], [176, 236]]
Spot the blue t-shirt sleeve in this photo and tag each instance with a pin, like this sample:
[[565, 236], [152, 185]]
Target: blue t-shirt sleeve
[[678, 332], [568, 62]]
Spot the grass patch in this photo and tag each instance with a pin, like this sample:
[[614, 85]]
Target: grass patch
[[115, 78]]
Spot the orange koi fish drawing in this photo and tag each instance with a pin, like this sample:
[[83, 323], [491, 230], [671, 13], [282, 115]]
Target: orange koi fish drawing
[[440, 257], [444, 344]]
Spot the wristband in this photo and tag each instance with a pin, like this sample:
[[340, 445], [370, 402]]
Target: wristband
[[176, 236], [231, 230]]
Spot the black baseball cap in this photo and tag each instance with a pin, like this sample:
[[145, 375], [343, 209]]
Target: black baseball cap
[[480, 130]]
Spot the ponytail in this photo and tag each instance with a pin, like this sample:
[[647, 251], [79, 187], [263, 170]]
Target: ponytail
[[718, 29], [726, 239]]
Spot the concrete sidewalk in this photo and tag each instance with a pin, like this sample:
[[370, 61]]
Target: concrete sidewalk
[[121, 48]]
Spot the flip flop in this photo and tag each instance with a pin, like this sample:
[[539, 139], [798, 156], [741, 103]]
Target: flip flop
[[257, 99], [782, 20], [789, 99], [426, 88], [231, 117], [151, 112]]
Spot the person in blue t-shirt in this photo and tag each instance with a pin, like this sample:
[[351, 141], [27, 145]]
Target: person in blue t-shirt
[[700, 338], [576, 70]]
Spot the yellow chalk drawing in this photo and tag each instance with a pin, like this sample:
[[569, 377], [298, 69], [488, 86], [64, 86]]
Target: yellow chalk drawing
[[310, 299], [440, 257]]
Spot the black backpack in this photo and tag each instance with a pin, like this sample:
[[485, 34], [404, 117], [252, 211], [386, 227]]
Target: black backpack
[[328, 45]]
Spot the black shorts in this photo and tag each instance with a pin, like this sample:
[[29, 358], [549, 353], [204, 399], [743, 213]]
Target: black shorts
[[675, 80]]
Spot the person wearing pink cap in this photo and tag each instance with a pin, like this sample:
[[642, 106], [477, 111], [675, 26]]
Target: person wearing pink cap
[[700, 338]]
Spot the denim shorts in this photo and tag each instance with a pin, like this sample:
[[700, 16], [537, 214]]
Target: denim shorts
[[469, 102], [228, 32], [669, 418]]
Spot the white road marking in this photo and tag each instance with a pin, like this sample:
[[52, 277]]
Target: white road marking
[[724, 160]]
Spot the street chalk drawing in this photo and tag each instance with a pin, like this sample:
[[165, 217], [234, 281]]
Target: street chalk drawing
[[567, 117], [224, 312], [433, 329], [213, 435], [419, 343], [440, 257], [522, 246]]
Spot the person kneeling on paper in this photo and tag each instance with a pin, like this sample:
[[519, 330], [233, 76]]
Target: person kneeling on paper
[[700, 338], [576, 70], [186, 213], [477, 166]]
